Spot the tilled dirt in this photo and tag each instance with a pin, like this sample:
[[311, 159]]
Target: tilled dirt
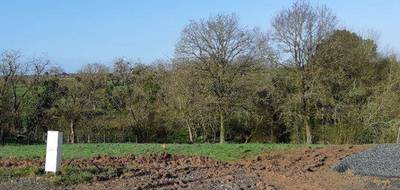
[[308, 168]]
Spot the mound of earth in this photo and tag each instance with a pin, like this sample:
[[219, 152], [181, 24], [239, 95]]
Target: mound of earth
[[383, 161], [307, 168]]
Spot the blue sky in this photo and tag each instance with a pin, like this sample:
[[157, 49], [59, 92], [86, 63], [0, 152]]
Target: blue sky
[[74, 32]]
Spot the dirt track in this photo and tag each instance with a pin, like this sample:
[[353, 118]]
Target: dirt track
[[300, 169]]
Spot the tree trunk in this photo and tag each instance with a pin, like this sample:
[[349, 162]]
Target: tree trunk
[[190, 132], [72, 132], [68, 137], [2, 136], [204, 138], [272, 137], [398, 136], [305, 110], [222, 129], [36, 136], [88, 138], [308, 132]]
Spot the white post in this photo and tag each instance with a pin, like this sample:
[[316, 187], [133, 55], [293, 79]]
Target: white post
[[53, 151]]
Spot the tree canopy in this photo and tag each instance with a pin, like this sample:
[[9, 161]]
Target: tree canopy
[[305, 81]]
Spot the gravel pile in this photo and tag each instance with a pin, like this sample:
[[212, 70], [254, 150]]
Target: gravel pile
[[383, 161]]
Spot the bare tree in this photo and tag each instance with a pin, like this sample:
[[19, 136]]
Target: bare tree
[[10, 68], [297, 31], [15, 71], [122, 69], [94, 69], [223, 50], [94, 77]]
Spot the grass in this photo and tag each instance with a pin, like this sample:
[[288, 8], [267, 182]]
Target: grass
[[20, 172], [223, 152]]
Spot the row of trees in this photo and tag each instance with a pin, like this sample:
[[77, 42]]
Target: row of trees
[[306, 81]]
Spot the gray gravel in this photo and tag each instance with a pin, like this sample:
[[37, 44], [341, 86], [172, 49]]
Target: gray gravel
[[26, 183], [382, 161]]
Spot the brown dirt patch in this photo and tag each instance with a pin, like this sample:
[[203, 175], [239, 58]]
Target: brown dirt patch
[[308, 168]]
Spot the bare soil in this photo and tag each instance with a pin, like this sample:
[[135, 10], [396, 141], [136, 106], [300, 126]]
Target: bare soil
[[308, 168]]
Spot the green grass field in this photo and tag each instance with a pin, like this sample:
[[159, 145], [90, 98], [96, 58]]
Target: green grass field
[[224, 152]]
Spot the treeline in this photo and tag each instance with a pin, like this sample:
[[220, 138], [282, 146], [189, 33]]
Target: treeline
[[304, 81]]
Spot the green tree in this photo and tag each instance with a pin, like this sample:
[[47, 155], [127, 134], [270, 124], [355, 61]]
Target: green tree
[[43, 115], [346, 68]]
